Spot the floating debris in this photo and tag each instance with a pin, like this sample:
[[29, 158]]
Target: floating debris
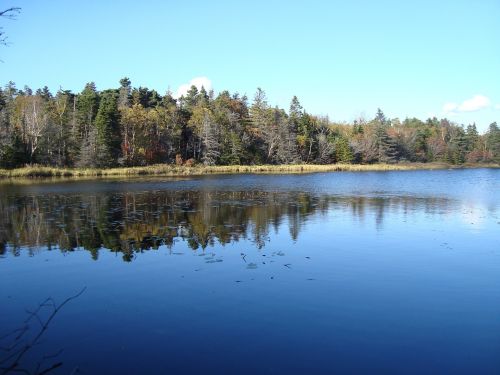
[[214, 261]]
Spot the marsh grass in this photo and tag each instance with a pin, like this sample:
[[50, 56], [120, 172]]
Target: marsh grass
[[175, 170]]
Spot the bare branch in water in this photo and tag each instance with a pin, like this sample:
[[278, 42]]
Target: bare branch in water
[[16, 353]]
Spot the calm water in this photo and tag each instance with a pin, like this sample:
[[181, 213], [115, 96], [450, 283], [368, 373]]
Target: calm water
[[390, 273]]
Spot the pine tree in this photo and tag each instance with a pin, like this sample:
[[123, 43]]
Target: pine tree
[[387, 151], [471, 137], [107, 124], [457, 147], [380, 117], [190, 100], [295, 114], [124, 93], [13, 153], [306, 134], [493, 141], [86, 106], [343, 152]]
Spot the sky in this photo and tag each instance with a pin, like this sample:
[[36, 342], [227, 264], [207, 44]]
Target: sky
[[343, 59]]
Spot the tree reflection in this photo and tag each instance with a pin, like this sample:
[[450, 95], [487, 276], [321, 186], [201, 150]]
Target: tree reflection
[[133, 222]]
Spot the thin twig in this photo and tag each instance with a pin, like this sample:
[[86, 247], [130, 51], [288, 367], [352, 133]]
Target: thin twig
[[10, 13]]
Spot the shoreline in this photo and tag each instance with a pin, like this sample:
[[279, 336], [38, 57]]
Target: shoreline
[[170, 170]]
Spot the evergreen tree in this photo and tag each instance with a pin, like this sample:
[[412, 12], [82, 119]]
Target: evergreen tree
[[124, 93], [13, 153], [387, 151], [471, 137], [380, 118], [190, 100], [61, 141], [295, 114], [107, 124], [306, 135], [86, 106], [457, 147], [493, 141], [343, 152]]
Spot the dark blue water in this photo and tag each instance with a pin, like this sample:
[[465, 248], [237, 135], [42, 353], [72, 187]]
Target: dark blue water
[[393, 272]]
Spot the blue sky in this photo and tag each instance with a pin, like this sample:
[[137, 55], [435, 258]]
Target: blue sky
[[341, 58]]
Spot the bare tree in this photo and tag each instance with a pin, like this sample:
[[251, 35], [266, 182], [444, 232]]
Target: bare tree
[[286, 149], [210, 140], [364, 149], [35, 121], [325, 148]]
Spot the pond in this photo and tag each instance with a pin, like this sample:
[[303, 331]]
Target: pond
[[368, 272]]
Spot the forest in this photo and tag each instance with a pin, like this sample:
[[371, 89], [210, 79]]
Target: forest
[[135, 126]]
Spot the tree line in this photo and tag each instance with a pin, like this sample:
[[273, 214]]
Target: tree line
[[129, 126]]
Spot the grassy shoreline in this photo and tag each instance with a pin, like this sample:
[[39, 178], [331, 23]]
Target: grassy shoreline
[[174, 170]]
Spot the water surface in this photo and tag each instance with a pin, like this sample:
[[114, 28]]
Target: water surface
[[371, 272]]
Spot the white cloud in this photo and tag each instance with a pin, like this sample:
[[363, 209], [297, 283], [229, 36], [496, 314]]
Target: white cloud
[[473, 104], [199, 82], [497, 106], [450, 107]]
